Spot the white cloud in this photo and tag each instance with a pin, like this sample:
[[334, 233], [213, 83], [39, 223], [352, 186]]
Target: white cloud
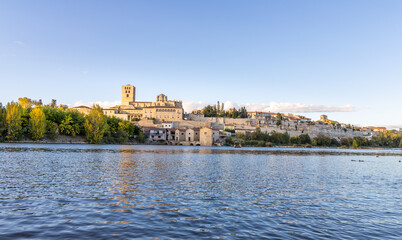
[[190, 105], [306, 108], [273, 107], [19, 43], [394, 126], [103, 104], [85, 72]]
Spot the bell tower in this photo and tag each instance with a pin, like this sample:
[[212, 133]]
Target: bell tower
[[127, 94]]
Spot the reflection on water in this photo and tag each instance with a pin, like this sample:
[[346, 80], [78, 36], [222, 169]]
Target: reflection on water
[[77, 191]]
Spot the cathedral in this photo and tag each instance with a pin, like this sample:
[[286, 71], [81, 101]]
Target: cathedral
[[162, 109]]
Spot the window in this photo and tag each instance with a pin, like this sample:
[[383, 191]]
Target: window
[[127, 95]]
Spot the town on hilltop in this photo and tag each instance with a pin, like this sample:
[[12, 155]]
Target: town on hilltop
[[164, 121]]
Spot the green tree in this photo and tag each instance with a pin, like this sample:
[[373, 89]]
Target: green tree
[[95, 125], [141, 137], [279, 119], [128, 128], [37, 124], [347, 141], [305, 139], [229, 141], [68, 127], [14, 120], [400, 144], [295, 140], [355, 144], [209, 111], [322, 140], [52, 129], [3, 125]]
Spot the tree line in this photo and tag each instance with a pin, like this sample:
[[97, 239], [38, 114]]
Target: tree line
[[262, 139], [217, 110], [30, 119]]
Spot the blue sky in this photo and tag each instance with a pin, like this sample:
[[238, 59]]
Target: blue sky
[[341, 58]]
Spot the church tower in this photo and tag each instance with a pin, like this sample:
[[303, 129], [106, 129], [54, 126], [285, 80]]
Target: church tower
[[127, 94]]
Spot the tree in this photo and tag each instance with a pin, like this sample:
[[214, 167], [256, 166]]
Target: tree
[[347, 141], [37, 103], [3, 125], [322, 140], [37, 124], [63, 106], [52, 129], [13, 121], [25, 102], [229, 141], [128, 128], [355, 145], [305, 139], [54, 103], [68, 127], [278, 119], [209, 111], [400, 144], [95, 125]]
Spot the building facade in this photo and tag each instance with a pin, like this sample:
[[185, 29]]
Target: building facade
[[162, 109]]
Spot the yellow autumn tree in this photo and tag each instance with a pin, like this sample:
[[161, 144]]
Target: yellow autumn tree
[[13, 121], [37, 124], [25, 102], [95, 125]]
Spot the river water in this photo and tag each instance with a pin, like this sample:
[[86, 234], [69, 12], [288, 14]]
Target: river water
[[121, 192]]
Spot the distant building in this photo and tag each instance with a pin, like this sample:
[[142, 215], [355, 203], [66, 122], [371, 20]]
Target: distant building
[[167, 125], [323, 118], [255, 115], [378, 129], [155, 134], [83, 109]]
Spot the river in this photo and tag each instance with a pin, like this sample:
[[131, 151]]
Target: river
[[110, 191]]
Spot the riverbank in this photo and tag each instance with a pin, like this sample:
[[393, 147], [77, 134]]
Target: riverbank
[[62, 139], [81, 140]]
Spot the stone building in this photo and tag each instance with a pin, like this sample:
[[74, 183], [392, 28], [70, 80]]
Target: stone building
[[255, 115], [180, 135], [192, 134], [162, 109], [127, 94], [208, 136]]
